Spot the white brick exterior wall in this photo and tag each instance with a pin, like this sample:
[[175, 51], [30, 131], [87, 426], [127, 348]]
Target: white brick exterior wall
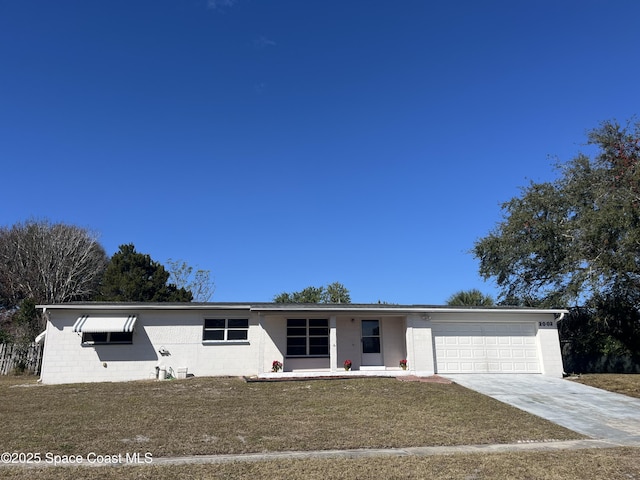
[[550, 353], [419, 345], [65, 359], [179, 331]]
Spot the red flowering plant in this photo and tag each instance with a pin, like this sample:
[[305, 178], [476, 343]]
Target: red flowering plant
[[403, 363], [276, 366], [347, 364]]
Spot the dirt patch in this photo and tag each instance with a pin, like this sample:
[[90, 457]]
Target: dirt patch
[[429, 379], [306, 379], [402, 378]]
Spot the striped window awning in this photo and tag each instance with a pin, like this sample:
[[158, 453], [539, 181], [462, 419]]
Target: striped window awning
[[95, 324]]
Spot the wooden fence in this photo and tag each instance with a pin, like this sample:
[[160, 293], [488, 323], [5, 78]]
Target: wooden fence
[[13, 358]]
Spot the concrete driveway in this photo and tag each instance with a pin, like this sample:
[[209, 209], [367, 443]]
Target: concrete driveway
[[593, 412]]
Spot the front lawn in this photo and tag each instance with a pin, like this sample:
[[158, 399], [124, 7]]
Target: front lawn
[[610, 464], [227, 415], [627, 384]]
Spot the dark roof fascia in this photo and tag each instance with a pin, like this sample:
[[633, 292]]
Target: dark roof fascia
[[397, 309], [144, 306], [297, 307]]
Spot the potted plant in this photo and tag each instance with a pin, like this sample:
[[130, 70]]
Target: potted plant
[[276, 366], [347, 364], [403, 364]]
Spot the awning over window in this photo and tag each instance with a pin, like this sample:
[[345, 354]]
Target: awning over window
[[93, 324]]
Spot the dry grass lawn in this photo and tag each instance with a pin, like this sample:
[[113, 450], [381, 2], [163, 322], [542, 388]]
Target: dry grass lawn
[[228, 415], [610, 464], [627, 384]]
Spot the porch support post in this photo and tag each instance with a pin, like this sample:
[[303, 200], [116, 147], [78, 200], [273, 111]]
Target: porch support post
[[410, 346], [260, 366], [333, 344]]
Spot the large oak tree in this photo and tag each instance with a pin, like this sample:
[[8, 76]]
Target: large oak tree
[[576, 240]]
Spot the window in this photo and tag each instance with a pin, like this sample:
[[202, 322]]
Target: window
[[370, 336], [307, 337], [225, 329], [103, 338]]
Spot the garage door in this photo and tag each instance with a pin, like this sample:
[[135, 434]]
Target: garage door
[[486, 348]]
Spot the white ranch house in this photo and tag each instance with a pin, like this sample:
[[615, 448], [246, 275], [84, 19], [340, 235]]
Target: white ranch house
[[97, 342]]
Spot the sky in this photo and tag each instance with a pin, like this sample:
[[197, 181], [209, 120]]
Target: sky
[[285, 143]]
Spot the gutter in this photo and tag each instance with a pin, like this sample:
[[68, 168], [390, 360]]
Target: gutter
[[284, 307], [400, 309], [143, 306]]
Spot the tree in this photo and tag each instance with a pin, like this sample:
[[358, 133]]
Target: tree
[[135, 277], [576, 240], [336, 293], [21, 325], [470, 298], [49, 263], [307, 295], [332, 293], [27, 322], [199, 283]]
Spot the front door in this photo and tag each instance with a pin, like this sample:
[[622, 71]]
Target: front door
[[371, 341]]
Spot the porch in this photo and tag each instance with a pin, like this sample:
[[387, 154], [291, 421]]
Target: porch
[[318, 346], [391, 372]]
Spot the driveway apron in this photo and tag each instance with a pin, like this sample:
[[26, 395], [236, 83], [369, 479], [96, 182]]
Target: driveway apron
[[593, 412]]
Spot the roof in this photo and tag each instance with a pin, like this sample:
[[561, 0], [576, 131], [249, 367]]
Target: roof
[[293, 307]]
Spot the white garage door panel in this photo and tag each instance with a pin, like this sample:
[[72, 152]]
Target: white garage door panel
[[486, 348]]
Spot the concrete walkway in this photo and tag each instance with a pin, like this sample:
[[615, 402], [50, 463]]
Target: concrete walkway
[[599, 414], [333, 454], [398, 452]]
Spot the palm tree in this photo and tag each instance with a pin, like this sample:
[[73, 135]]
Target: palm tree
[[470, 298]]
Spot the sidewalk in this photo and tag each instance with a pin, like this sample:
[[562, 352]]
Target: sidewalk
[[400, 452], [350, 454]]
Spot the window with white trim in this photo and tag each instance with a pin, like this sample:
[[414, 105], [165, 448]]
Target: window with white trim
[[225, 329], [104, 338], [307, 337]]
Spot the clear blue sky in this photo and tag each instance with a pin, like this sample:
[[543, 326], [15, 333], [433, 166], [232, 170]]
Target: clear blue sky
[[288, 143]]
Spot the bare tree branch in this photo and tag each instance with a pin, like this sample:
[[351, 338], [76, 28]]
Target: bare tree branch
[[50, 263]]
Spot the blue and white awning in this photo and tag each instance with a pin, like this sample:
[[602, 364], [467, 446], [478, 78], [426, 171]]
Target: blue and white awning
[[96, 324]]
